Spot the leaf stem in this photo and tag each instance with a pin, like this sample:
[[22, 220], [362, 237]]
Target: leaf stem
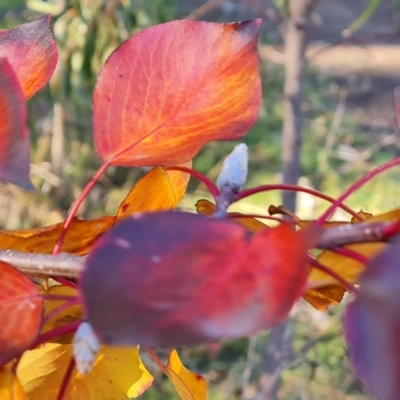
[[76, 205], [59, 309], [349, 286], [66, 379], [295, 188], [214, 191], [60, 330], [351, 254], [355, 186]]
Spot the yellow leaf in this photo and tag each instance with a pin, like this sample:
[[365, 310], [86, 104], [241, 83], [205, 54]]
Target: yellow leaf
[[158, 190], [66, 316], [190, 386], [116, 374], [10, 388], [142, 378]]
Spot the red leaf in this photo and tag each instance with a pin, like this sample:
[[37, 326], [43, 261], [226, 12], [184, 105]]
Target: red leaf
[[171, 88], [372, 325], [31, 50], [20, 313], [14, 140], [167, 279]]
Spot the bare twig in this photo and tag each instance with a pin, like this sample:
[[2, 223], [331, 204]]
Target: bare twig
[[65, 265], [70, 266], [295, 50]]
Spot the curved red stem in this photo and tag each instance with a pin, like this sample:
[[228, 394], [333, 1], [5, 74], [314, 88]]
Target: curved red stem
[[355, 186], [214, 191], [349, 286], [60, 330], [76, 205], [66, 379], [295, 188]]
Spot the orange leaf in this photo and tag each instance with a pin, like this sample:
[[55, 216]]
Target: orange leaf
[[158, 190], [10, 388], [14, 140], [325, 296], [31, 50], [189, 385], [21, 309], [171, 88], [205, 207], [79, 240]]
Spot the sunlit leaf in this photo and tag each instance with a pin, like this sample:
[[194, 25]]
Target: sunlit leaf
[[66, 316], [79, 240], [324, 289], [10, 388], [158, 190], [21, 309], [184, 278], [116, 372], [171, 88], [31, 50], [205, 207], [14, 139], [323, 297], [372, 325], [189, 385]]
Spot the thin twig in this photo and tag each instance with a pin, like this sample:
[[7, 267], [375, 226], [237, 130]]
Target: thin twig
[[70, 266], [66, 265]]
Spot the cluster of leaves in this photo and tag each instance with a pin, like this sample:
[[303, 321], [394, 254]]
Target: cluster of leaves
[[158, 278]]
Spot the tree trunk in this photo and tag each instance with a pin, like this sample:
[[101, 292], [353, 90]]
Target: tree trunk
[[295, 47], [278, 351]]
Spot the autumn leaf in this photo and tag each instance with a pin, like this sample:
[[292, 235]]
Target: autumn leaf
[[10, 388], [31, 51], [324, 290], [21, 309], [184, 279], [14, 139], [173, 87], [158, 190], [371, 324], [189, 385], [117, 374], [79, 240], [205, 207], [71, 313]]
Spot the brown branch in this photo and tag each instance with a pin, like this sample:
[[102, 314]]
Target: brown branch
[[70, 266], [295, 52], [65, 265]]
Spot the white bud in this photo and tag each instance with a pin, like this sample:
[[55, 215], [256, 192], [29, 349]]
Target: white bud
[[234, 170], [85, 348]]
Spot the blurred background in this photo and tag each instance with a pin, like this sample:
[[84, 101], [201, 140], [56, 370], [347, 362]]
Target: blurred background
[[353, 57]]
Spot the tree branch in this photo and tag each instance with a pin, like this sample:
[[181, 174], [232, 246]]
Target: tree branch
[[65, 265], [70, 266], [295, 53]]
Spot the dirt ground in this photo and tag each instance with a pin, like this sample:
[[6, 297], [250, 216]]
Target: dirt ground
[[368, 63]]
